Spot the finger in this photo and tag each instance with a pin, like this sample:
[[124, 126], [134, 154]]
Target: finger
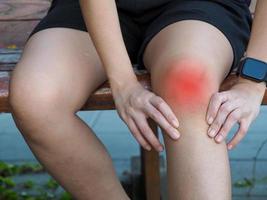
[[146, 131], [243, 128], [166, 111], [138, 136], [152, 112], [215, 102], [232, 118], [224, 110]]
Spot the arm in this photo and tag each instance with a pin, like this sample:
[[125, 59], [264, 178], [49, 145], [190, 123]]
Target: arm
[[133, 103], [102, 22], [241, 104], [257, 46]]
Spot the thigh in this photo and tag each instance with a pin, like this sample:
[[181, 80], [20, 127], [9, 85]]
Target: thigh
[[59, 68], [193, 39]]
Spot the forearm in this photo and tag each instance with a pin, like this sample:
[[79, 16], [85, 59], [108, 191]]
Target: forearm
[[257, 46], [102, 22]]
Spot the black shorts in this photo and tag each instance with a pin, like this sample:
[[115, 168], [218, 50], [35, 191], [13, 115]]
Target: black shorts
[[140, 20]]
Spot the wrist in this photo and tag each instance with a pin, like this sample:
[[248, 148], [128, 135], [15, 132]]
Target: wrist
[[253, 71], [259, 86], [122, 82]]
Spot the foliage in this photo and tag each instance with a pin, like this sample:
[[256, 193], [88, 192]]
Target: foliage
[[244, 183], [29, 184], [52, 184], [11, 170], [9, 190]]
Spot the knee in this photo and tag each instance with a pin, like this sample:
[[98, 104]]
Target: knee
[[186, 84], [31, 104]]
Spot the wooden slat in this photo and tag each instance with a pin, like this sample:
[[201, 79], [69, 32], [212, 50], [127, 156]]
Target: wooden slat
[[150, 167], [15, 32], [18, 18], [11, 10], [101, 99], [4, 82], [8, 58]]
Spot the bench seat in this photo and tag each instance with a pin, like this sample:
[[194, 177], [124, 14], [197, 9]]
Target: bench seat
[[101, 99]]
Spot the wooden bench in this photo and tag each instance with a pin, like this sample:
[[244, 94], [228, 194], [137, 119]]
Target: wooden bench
[[20, 16]]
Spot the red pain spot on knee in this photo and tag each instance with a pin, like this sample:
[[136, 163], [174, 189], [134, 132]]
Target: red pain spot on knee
[[186, 83]]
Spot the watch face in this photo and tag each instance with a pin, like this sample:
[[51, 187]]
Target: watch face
[[254, 69]]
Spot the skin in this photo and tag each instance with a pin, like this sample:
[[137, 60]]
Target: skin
[[241, 104], [195, 163], [44, 103], [184, 91], [56, 123], [134, 103]]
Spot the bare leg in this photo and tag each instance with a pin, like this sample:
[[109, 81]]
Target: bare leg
[[188, 61], [58, 70]]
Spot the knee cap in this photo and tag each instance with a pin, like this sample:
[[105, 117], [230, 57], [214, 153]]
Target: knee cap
[[187, 83]]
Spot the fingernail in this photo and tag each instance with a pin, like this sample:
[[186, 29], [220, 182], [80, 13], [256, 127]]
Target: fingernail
[[219, 138], [210, 120], [148, 148], [230, 146], [175, 134], [175, 123], [211, 132]]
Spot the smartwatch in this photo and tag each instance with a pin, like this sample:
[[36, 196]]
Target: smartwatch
[[253, 69]]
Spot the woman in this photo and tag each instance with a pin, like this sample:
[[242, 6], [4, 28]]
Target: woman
[[188, 46]]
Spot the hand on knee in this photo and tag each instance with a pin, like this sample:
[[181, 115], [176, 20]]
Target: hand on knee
[[238, 105]]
